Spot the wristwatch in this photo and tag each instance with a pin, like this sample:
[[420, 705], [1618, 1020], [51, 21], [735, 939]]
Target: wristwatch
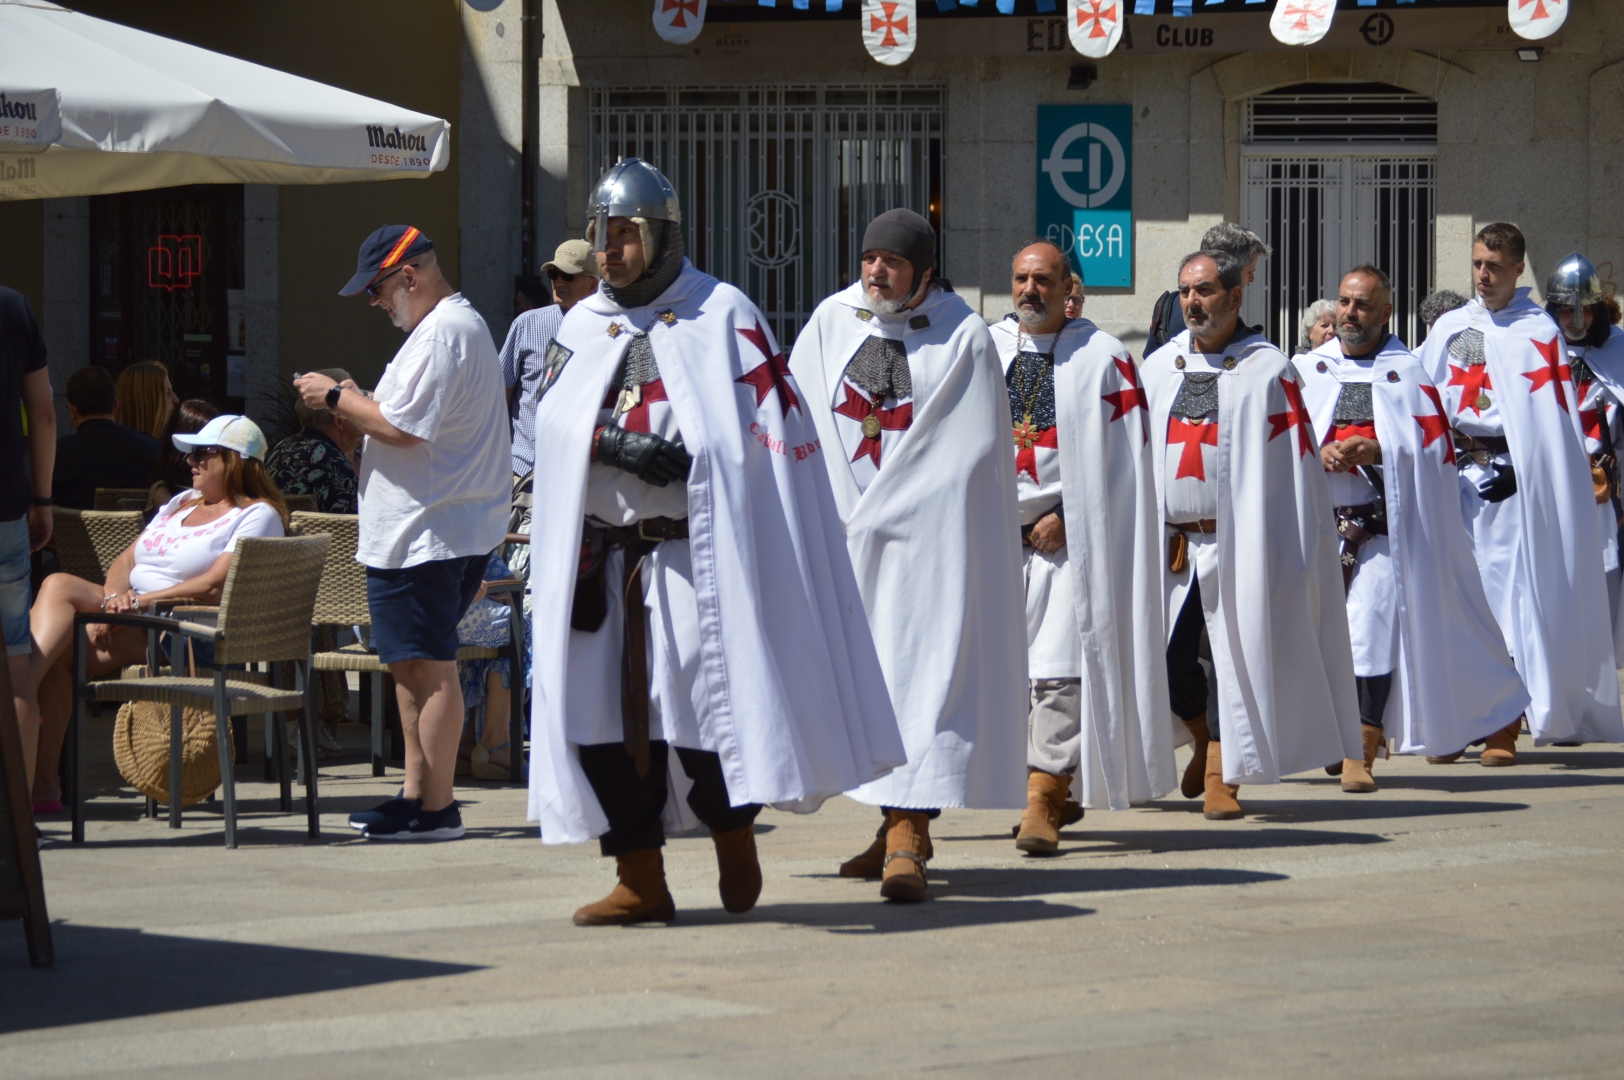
[[332, 395]]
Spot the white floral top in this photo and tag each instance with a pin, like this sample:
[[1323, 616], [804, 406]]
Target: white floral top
[[169, 553]]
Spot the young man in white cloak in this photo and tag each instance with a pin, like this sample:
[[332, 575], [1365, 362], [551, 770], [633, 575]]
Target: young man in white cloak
[[682, 474], [1427, 653], [1095, 634], [1251, 550], [1528, 500], [1574, 298], [903, 382]]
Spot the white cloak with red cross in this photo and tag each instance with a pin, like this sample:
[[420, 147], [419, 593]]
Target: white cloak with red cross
[[1286, 697], [936, 547], [1454, 682], [1540, 550], [1600, 417], [794, 699], [1109, 572]]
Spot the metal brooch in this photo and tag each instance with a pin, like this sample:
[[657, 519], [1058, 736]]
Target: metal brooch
[[613, 330]]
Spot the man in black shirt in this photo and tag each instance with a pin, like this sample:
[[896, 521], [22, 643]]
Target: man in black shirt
[[99, 453]]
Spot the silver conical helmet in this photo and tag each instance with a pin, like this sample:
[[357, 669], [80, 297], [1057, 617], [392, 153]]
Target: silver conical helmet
[[1574, 283], [631, 188]]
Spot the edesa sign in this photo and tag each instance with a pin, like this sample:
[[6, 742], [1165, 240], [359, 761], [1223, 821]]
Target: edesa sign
[[1085, 188]]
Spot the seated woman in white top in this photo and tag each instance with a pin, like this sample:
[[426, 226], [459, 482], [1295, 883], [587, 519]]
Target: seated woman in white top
[[184, 553]]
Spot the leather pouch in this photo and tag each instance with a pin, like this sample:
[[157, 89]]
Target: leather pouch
[[1178, 552]]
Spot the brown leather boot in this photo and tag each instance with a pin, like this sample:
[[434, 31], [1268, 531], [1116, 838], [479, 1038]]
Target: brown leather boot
[[1071, 814], [1500, 749], [871, 863], [1445, 759], [740, 881], [641, 895], [1221, 804], [1040, 823], [906, 843], [1195, 773], [1356, 775]]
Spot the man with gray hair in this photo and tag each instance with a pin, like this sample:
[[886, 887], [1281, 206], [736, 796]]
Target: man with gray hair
[[318, 460], [1440, 302], [1251, 554], [1236, 241]]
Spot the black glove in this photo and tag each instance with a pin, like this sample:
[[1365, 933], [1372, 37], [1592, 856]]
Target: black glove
[[1502, 487], [646, 456]]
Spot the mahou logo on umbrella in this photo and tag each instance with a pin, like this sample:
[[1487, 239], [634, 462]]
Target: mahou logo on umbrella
[[1095, 26], [679, 21], [1301, 22], [889, 27], [1535, 19]]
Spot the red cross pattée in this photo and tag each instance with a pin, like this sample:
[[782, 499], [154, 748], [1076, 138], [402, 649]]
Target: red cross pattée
[[1097, 12], [858, 408], [1193, 436], [1474, 379], [772, 374], [889, 23], [1436, 426], [1295, 416], [1540, 10], [1026, 458], [691, 7], [1555, 371], [1308, 9], [1124, 401]]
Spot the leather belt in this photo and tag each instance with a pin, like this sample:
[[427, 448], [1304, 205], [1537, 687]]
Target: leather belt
[[1178, 544], [1481, 449], [1356, 525], [635, 542]]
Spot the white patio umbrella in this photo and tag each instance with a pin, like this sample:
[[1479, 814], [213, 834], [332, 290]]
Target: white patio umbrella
[[89, 107]]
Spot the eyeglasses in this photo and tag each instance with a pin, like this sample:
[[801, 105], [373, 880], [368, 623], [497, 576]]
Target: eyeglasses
[[555, 274], [372, 290], [197, 453]]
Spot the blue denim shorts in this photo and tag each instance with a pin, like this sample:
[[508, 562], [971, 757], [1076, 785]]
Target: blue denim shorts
[[14, 586], [415, 610]]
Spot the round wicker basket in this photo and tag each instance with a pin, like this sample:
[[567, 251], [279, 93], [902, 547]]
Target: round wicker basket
[[141, 751]]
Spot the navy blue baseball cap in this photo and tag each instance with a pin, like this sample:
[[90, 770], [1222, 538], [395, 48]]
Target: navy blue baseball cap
[[388, 247]]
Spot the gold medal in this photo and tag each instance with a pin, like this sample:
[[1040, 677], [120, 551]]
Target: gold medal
[[1482, 401], [871, 426], [1025, 435]]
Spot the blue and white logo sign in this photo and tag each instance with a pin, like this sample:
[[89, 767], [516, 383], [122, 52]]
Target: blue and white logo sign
[[1085, 188]]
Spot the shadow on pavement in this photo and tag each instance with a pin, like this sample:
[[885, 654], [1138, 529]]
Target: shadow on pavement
[[1080, 839], [871, 915], [103, 973], [1365, 808], [1482, 781]]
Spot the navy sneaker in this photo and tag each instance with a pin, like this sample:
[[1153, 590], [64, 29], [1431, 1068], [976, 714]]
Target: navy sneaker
[[416, 823], [380, 813]]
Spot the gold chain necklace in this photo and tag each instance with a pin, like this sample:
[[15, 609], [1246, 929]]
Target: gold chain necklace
[[1026, 435]]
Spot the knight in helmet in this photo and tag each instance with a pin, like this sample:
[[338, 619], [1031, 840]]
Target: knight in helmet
[[1502, 367], [698, 627], [1574, 297]]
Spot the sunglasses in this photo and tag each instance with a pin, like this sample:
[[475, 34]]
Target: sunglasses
[[372, 290], [199, 453], [559, 275]]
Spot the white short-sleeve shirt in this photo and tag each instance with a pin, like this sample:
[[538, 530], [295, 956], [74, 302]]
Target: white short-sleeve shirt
[[447, 497], [169, 553]]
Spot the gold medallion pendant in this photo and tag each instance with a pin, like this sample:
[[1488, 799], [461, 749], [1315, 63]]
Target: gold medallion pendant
[[1482, 401], [1026, 436], [871, 426]]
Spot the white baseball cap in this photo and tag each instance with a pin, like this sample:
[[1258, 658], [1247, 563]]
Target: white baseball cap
[[230, 431]]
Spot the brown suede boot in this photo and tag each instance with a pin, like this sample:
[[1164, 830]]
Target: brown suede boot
[[1221, 804], [1500, 749], [906, 842], [1040, 824], [740, 881], [1195, 773], [1356, 775], [641, 895], [871, 863]]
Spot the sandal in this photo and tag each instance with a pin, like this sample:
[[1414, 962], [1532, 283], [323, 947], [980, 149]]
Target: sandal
[[485, 769]]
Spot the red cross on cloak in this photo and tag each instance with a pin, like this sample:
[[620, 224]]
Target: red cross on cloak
[[1436, 427], [1474, 379], [1098, 12], [1554, 371], [1338, 432], [1590, 420], [858, 408], [1026, 458], [636, 417], [773, 374], [1295, 416], [680, 6], [1193, 436], [1123, 402], [889, 23]]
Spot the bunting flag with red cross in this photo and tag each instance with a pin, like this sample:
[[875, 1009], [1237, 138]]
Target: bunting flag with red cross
[[1095, 26], [1536, 19], [889, 29], [679, 21], [1301, 22]]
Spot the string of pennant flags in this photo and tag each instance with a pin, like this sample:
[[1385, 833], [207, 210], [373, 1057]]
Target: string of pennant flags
[[890, 28]]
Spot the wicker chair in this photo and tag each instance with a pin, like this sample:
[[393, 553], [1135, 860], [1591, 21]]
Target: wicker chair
[[115, 498], [87, 541], [342, 601], [263, 617]]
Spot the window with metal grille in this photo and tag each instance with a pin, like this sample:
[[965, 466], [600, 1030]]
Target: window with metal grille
[[1341, 113], [777, 183]]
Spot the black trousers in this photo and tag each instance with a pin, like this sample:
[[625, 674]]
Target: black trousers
[[1186, 678], [633, 803], [1373, 692]]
